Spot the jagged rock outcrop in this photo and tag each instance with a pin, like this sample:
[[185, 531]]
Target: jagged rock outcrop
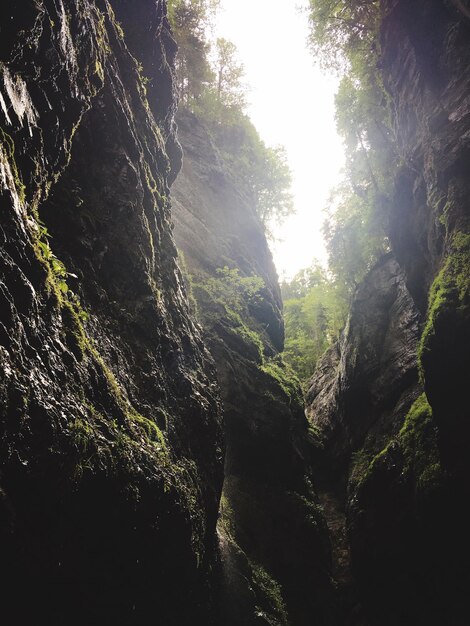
[[401, 441], [428, 78], [357, 401], [366, 383], [273, 541], [110, 442]]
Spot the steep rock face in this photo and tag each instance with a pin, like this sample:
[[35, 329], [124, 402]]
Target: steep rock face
[[365, 384], [407, 476], [362, 389], [111, 459], [428, 78], [224, 229], [271, 531]]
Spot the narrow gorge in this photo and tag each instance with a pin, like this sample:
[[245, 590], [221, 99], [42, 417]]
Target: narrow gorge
[[160, 462]]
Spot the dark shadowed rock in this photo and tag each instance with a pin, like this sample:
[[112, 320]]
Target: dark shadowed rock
[[273, 540], [110, 441], [408, 475], [372, 370]]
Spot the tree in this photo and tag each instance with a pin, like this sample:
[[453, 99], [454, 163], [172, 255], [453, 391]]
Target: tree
[[264, 171], [344, 37], [229, 74], [272, 189], [190, 20], [314, 315], [338, 28], [214, 90]]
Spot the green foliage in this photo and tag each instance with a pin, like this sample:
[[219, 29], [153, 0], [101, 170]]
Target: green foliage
[[264, 170], [450, 291], [226, 517], [210, 80], [56, 269], [229, 75], [285, 376], [314, 315], [249, 336], [270, 604], [231, 296], [189, 20], [75, 337], [233, 290], [418, 439], [344, 37], [101, 444], [417, 443], [360, 462], [150, 429], [338, 28]]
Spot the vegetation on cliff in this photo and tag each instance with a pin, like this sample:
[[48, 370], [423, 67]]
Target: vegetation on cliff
[[314, 315], [344, 39], [210, 80]]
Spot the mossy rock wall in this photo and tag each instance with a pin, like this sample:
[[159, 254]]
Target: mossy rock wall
[[273, 539], [111, 451], [398, 429]]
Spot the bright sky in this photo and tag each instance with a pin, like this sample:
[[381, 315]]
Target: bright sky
[[291, 103]]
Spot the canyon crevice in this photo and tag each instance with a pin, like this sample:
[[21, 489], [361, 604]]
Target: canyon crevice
[[157, 463]]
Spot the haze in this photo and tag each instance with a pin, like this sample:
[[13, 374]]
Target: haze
[[291, 103]]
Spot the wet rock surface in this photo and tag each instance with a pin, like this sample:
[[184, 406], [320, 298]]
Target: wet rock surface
[[398, 457], [372, 371], [273, 538], [114, 385], [111, 448]]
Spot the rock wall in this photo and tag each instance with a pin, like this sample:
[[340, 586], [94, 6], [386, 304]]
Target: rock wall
[[389, 399], [273, 541], [122, 493], [110, 438]]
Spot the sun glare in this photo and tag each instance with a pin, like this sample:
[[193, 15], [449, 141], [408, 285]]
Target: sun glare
[[291, 102]]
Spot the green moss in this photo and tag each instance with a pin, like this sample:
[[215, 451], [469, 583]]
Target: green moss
[[360, 464], [282, 373], [231, 289], [269, 601], [418, 440], [56, 272], [315, 437], [93, 450], [450, 292], [99, 71], [309, 511], [7, 146], [147, 427], [76, 338], [249, 336], [115, 23], [101, 33], [151, 430], [162, 418], [226, 517], [102, 445]]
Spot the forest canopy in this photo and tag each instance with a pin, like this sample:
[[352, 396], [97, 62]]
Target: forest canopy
[[343, 39], [211, 84]]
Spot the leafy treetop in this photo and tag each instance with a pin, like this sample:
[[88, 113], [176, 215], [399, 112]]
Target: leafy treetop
[[210, 81]]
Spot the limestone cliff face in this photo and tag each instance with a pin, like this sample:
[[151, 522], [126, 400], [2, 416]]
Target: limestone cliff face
[[390, 399], [428, 78], [273, 542], [110, 441], [365, 384]]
